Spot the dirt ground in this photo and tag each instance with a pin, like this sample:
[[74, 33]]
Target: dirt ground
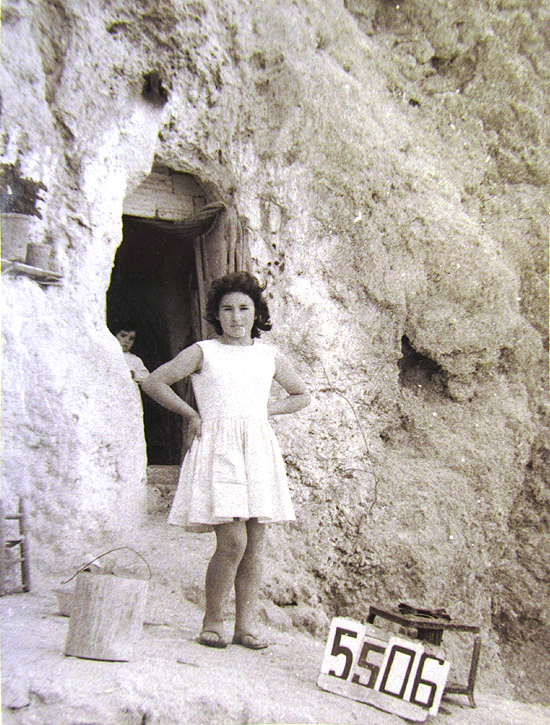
[[171, 679]]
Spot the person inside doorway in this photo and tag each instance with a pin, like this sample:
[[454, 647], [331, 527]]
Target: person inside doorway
[[126, 335]]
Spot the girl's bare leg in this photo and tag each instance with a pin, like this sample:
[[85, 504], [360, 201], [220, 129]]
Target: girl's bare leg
[[231, 542], [248, 579]]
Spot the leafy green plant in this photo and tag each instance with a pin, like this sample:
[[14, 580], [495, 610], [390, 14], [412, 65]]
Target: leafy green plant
[[18, 194]]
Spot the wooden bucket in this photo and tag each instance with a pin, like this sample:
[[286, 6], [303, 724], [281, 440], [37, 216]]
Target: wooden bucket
[[106, 617]]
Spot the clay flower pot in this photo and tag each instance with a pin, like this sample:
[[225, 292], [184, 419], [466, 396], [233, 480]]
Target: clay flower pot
[[15, 232]]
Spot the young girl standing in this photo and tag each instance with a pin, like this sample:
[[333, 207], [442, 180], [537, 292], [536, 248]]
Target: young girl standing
[[233, 478]]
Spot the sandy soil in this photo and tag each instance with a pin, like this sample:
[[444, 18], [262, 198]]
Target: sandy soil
[[172, 679]]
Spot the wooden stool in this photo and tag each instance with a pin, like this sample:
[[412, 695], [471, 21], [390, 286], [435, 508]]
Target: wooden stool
[[10, 540], [453, 688], [430, 629]]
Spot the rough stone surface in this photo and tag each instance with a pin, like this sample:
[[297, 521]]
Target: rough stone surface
[[389, 164]]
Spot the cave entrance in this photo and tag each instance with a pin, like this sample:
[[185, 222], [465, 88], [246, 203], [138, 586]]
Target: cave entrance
[[172, 246]]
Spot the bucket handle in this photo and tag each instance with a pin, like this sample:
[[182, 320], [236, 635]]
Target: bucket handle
[[118, 548]]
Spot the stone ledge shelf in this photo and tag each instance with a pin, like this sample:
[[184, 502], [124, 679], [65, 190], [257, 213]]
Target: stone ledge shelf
[[44, 277]]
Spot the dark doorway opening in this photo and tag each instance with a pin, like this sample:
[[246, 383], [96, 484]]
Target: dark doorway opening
[[154, 287]]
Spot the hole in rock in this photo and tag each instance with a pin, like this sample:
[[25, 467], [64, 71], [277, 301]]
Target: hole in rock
[[153, 89], [419, 372], [155, 288]]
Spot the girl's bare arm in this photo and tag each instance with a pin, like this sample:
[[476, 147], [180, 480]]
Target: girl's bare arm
[[298, 394], [157, 385]]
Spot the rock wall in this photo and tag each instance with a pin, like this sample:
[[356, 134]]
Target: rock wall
[[388, 165]]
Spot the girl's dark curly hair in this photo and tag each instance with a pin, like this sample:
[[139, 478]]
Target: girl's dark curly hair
[[238, 282]]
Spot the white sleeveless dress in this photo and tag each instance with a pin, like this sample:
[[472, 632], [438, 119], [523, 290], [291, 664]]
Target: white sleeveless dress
[[235, 469]]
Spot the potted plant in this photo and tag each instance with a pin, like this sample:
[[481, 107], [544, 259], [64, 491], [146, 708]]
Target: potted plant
[[18, 205]]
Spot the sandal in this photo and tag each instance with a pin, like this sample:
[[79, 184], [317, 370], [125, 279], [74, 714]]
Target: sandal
[[250, 641], [207, 641]]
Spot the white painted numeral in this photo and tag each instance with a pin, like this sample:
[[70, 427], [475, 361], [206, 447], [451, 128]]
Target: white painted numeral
[[343, 646], [397, 675], [429, 682], [369, 662]]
